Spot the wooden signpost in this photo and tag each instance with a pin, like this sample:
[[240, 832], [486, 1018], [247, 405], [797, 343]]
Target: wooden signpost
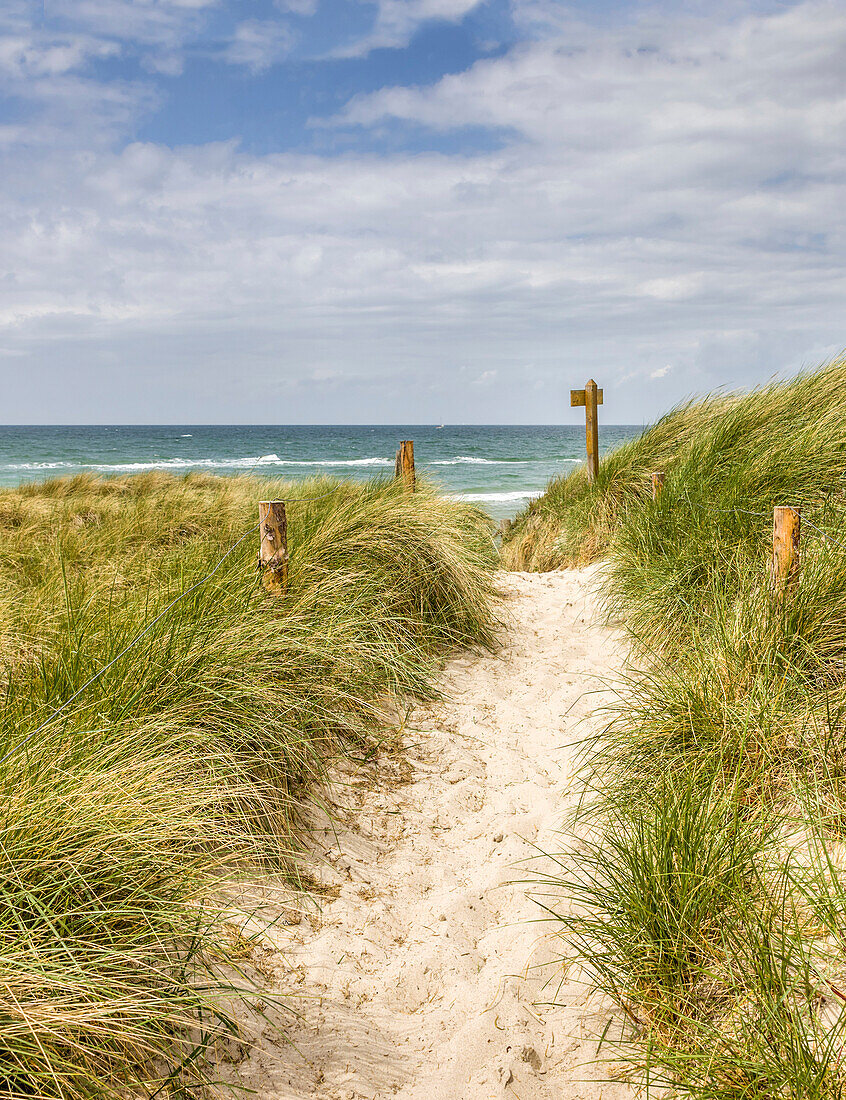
[[590, 397], [658, 479]]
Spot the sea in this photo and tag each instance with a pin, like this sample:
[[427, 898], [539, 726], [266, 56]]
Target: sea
[[499, 467]]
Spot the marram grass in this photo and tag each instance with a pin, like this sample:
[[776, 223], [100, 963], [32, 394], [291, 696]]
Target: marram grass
[[188, 759], [710, 872], [785, 438]]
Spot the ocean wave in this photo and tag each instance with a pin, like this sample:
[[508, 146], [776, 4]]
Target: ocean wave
[[468, 460], [41, 466], [482, 498], [342, 462], [204, 463], [272, 460]]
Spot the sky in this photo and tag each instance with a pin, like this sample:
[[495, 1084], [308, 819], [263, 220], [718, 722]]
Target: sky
[[414, 211]]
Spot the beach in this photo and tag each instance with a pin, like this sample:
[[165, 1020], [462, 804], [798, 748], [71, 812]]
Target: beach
[[423, 969]]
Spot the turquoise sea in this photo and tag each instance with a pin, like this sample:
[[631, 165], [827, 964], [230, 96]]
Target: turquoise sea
[[499, 467]]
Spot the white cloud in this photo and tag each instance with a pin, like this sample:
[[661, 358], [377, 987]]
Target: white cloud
[[674, 289], [164, 62], [158, 29], [31, 56], [162, 23], [398, 20], [297, 7], [60, 107], [676, 204], [258, 44], [46, 66], [681, 86]]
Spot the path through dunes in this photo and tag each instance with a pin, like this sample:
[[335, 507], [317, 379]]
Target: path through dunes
[[425, 977]]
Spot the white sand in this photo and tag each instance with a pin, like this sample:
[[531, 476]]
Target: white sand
[[427, 977]]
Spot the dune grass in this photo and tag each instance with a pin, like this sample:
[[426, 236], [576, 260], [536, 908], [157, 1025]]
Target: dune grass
[[189, 759], [711, 880], [785, 438]]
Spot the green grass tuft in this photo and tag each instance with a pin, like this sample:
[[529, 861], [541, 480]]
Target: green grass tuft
[[189, 759], [711, 889]]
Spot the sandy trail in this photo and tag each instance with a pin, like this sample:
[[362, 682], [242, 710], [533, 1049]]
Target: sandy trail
[[426, 977]]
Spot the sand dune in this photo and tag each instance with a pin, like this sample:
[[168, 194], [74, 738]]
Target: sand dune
[[426, 975]]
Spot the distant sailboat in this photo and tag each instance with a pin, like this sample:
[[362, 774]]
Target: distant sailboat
[[438, 428]]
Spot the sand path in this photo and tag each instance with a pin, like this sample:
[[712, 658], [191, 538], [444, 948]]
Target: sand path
[[426, 977]]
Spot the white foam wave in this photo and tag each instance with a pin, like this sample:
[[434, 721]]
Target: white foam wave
[[466, 460], [41, 465], [344, 462], [204, 463], [482, 498]]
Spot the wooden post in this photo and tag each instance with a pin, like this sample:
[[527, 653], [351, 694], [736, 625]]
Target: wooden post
[[273, 549], [785, 564], [405, 463], [592, 429], [590, 397], [657, 485]]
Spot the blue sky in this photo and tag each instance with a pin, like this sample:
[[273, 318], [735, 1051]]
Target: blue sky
[[287, 72], [329, 210]]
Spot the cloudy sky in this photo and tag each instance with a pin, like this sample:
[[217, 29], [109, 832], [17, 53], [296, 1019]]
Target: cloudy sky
[[401, 211]]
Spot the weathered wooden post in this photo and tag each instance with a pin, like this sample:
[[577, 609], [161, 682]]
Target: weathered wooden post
[[273, 548], [590, 397], [657, 484], [405, 463], [785, 564]]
